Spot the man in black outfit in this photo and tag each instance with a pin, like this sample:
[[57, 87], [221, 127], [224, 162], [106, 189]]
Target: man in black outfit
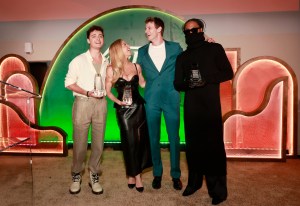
[[199, 71]]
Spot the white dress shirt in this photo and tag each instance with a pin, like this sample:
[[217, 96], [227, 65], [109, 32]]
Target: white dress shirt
[[158, 55], [82, 72]]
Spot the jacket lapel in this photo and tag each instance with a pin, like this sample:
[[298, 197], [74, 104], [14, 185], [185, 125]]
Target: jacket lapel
[[168, 49], [148, 59]]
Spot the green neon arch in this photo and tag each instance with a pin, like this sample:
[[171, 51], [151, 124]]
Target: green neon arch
[[124, 22]]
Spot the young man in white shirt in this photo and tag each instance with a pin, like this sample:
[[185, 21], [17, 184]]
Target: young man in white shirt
[[89, 109]]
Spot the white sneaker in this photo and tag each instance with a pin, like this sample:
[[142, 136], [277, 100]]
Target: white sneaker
[[75, 186], [94, 183]]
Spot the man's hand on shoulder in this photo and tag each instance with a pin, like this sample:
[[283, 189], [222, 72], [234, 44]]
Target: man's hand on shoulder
[[209, 39]]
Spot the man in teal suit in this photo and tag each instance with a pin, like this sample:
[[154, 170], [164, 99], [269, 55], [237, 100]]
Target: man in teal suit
[[157, 59]]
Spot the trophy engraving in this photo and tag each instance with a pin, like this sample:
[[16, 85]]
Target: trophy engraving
[[98, 86], [195, 78], [127, 95]]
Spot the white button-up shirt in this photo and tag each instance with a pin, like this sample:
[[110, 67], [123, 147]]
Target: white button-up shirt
[[82, 72]]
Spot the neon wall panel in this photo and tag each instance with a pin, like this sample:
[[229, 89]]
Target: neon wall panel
[[125, 23]]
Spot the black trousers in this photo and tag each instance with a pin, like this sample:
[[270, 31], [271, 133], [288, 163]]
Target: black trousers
[[216, 184]]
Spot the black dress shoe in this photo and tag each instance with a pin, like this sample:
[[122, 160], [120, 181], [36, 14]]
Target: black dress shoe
[[189, 190], [156, 183], [177, 184], [140, 189], [131, 186], [216, 201]]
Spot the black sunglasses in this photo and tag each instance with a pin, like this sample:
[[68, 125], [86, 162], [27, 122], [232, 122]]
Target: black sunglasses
[[190, 31]]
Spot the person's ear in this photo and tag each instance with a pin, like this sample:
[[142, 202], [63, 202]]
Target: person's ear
[[159, 29], [88, 41]]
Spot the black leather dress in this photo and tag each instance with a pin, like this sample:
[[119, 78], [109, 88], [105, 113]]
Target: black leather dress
[[133, 129]]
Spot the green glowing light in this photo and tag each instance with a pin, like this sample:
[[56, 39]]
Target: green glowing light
[[126, 23]]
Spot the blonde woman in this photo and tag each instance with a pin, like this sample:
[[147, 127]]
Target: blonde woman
[[126, 77]]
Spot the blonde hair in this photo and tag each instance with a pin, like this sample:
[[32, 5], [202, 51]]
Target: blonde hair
[[117, 59]]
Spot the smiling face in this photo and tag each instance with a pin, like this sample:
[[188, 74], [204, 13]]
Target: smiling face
[[152, 33], [126, 49], [96, 39]]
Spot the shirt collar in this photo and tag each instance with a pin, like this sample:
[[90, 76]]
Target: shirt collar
[[91, 58]]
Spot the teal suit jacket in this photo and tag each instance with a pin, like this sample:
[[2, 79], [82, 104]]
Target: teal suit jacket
[[161, 96], [159, 85]]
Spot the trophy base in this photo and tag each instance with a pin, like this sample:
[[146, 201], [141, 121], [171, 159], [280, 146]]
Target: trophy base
[[128, 101], [99, 93]]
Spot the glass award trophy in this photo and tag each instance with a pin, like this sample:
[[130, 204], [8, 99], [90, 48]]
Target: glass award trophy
[[127, 95], [195, 78], [98, 86]]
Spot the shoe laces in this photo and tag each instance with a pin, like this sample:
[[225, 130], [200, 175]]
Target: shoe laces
[[94, 177], [76, 177]]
